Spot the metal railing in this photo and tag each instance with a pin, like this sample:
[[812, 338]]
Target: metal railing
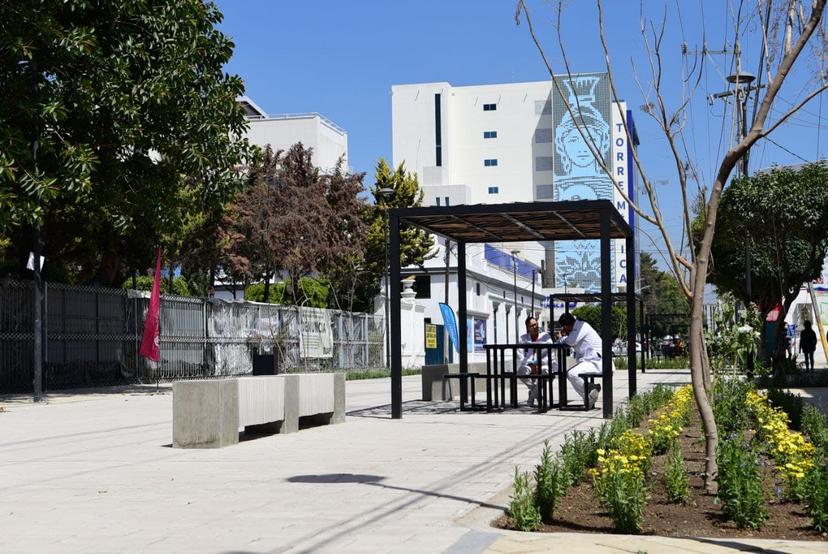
[[92, 337]]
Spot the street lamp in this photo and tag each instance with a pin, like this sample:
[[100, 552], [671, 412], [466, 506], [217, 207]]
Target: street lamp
[[386, 194], [514, 274]]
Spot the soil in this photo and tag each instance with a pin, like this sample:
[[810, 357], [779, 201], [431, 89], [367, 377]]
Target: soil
[[580, 511]]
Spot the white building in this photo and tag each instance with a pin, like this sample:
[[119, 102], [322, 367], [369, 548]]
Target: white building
[[328, 140], [501, 143]]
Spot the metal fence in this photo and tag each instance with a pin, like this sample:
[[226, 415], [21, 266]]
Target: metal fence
[[92, 335]]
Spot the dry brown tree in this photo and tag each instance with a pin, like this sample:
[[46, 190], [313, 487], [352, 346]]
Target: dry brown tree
[[788, 30]]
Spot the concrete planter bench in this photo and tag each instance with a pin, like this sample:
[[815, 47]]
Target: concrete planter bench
[[208, 413]]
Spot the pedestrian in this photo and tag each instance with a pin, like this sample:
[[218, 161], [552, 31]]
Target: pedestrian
[[530, 363], [807, 345], [587, 345]]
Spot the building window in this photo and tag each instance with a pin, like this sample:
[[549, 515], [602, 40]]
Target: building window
[[490, 162], [494, 190], [447, 201], [422, 286], [544, 163], [545, 191], [438, 141], [543, 107], [477, 288], [438, 200], [489, 107], [543, 136], [489, 134]]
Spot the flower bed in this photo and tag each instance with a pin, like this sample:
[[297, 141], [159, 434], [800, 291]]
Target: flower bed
[[645, 466]]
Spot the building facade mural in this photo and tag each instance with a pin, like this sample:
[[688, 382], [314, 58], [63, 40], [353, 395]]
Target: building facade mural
[[577, 175]]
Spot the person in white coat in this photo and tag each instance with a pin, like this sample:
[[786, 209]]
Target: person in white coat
[[529, 362], [587, 345]]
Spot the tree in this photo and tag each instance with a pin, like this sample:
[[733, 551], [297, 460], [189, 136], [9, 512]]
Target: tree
[[415, 244], [591, 313], [137, 125], [293, 221], [662, 295], [783, 212], [782, 31]]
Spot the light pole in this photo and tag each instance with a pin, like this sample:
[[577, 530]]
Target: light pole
[[386, 194], [514, 274]]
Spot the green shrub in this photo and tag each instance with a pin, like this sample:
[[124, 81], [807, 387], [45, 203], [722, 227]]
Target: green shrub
[[791, 404], [312, 292], [814, 427], [522, 507], [740, 489], [550, 484], [144, 282], [676, 480], [816, 497], [729, 405], [578, 454], [624, 495]]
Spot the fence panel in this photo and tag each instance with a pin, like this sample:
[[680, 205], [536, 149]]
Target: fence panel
[[92, 337]]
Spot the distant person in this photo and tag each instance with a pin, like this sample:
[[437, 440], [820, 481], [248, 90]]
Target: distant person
[[587, 345], [807, 345], [529, 363]]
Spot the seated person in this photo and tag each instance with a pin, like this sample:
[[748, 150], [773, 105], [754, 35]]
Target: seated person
[[587, 345], [529, 363]]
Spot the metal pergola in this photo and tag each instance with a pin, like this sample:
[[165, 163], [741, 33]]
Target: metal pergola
[[568, 297], [517, 222]]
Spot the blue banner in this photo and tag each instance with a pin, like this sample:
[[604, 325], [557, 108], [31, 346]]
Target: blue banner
[[451, 325]]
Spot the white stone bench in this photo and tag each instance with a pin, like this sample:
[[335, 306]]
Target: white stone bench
[[208, 413]]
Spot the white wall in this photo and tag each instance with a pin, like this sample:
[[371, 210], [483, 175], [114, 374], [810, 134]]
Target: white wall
[[312, 131]]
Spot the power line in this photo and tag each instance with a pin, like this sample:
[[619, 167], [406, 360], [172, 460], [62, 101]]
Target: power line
[[788, 151]]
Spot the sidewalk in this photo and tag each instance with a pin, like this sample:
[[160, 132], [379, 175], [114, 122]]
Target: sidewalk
[[97, 474]]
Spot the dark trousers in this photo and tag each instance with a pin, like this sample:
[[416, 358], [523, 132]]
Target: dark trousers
[[809, 360]]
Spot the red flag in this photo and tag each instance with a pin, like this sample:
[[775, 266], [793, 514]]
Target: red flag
[[150, 343]]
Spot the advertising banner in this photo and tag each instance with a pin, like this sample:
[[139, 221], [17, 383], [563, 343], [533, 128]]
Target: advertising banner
[[479, 334], [430, 335], [451, 325], [315, 333]]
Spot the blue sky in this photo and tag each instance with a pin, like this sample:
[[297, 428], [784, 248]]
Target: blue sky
[[341, 59]]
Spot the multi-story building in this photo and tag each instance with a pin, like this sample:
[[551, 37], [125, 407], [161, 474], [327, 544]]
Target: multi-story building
[[512, 143], [328, 140]]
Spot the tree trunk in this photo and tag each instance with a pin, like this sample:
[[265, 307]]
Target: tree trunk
[[266, 298], [708, 379], [700, 392]]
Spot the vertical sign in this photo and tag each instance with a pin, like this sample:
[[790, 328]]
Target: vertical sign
[[619, 170], [578, 176]]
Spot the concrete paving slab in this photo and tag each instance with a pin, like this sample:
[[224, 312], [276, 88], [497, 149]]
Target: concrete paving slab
[[95, 473]]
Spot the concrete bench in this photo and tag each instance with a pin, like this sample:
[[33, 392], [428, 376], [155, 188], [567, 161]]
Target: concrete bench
[[208, 413]]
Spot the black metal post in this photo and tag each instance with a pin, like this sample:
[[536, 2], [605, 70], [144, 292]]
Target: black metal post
[[606, 314], [462, 325], [396, 331], [386, 279], [514, 274], [643, 335], [37, 282], [551, 313], [632, 359], [532, 313]]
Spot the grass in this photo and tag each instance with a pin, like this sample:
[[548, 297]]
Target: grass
[[655, 363], [376, 373]]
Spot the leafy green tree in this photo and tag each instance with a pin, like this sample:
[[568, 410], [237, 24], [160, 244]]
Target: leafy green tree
[[415, 244], [781, 215], [178, 287], [591, 313], [662, 296], [137, 122], [314, 293]]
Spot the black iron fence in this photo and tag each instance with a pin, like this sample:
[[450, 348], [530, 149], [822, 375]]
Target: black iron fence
[[92, 335]]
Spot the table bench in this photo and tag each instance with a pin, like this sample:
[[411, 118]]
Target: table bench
[[468, 378], [208, 413]]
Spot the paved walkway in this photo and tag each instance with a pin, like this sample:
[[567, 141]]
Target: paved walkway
[[95, 473]]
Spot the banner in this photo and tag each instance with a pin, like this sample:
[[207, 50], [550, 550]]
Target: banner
[[451, 325], [479, 335], [315, 333], [151, 341]]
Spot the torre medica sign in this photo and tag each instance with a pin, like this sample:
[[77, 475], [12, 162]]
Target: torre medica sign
[[579, 177]]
